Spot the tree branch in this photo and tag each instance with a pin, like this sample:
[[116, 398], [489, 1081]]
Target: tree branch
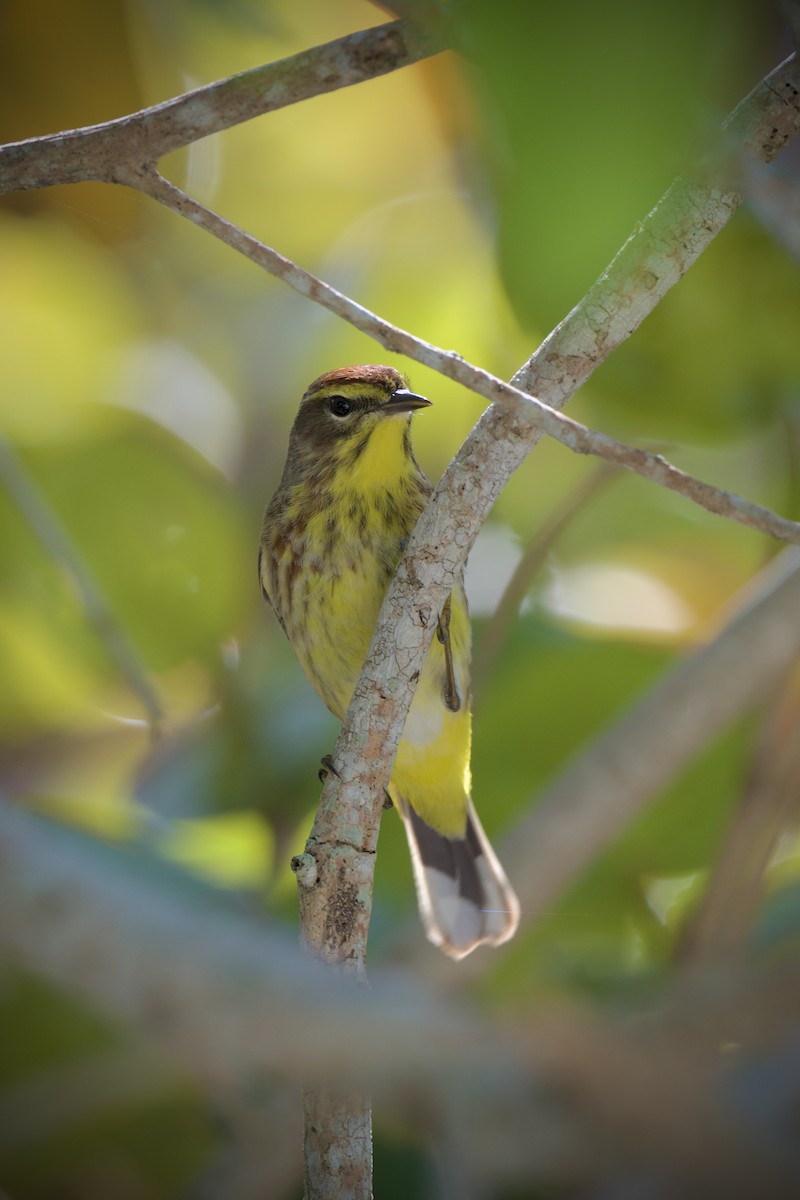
[[169, 957], [106, 153]]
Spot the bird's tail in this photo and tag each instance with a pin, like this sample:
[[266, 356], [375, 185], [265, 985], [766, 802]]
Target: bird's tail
[[464, 896]]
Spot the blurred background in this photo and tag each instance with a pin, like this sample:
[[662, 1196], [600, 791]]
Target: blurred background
[[149, 380]]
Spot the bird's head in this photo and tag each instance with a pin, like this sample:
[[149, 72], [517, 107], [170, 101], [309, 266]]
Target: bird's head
[[359, 417], [352, 400]]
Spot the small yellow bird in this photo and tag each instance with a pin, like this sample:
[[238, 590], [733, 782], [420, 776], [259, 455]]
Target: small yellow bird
[[333, 534]]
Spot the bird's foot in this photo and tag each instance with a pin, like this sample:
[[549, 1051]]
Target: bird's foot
[[327, 768]]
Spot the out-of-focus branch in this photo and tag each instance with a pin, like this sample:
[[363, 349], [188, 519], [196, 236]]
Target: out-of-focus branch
[[791, 12], [224, 998], [258, 1157], [218, 991], [59, 545], [776, 202], [108, 152], [768, 808]]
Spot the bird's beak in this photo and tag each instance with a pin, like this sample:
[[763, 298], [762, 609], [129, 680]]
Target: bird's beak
[[404, 401]]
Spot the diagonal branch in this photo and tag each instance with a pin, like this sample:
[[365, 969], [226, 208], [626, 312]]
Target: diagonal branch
[[103, 152]]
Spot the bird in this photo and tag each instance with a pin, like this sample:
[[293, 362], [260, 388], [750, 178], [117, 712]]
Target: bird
[[333, 533]]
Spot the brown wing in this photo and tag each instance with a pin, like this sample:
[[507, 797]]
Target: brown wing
[[264, 591], [450, 695]]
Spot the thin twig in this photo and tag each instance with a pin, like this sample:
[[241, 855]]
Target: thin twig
[[59, 545], [540, 416]]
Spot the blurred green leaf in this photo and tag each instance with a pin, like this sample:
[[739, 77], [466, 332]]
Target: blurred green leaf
[[590, 111], [159, 532]]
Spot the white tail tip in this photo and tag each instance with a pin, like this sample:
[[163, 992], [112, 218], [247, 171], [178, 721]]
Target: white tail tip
[[465, 899]]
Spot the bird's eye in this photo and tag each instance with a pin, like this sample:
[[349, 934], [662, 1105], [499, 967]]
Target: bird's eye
[[339, 406]]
